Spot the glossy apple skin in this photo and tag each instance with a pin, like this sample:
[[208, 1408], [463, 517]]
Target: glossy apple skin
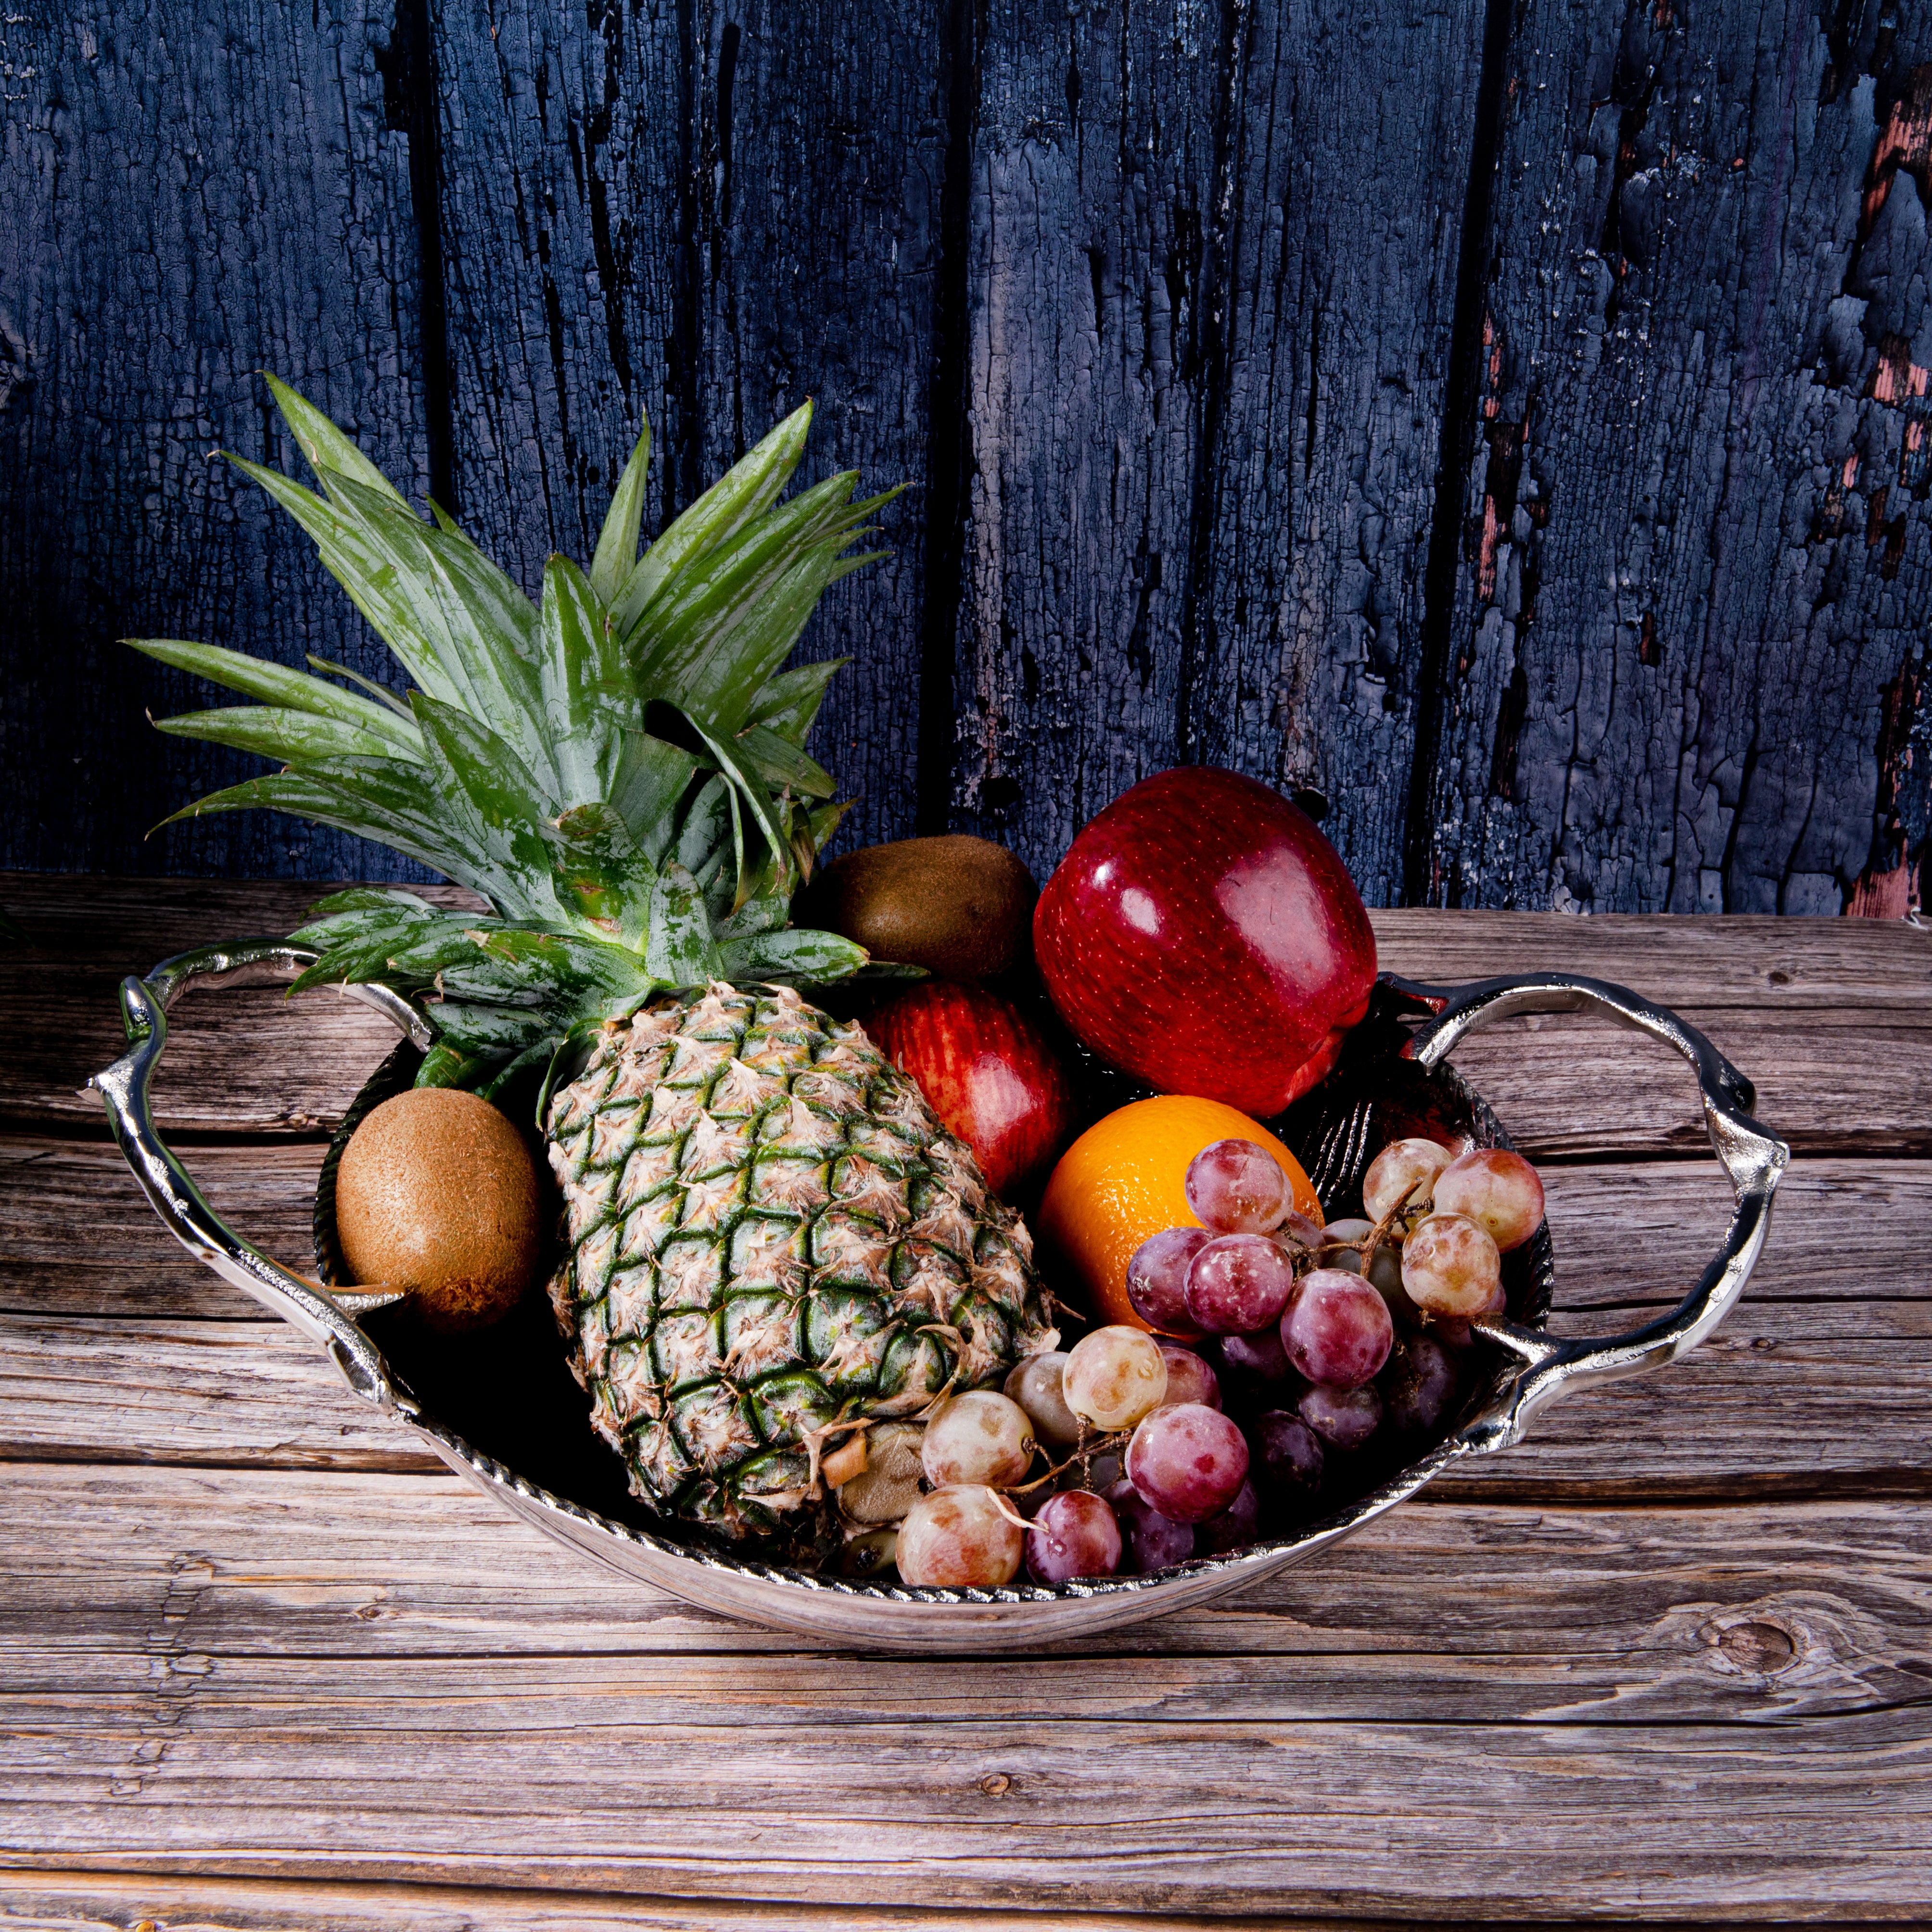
[[990, 1074], [1202, 934]]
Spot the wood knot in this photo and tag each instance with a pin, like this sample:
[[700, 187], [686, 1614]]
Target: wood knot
[[1762, 1649], [997, 1786]]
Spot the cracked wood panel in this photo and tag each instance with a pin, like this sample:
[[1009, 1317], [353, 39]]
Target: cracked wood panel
[[1787, 1399], [1335, 286], [706, 220], [1093, 188], [1748, 1613], [1180, 494], [819, 181], [435, 1770], [561, 138], [189, 191], [1684, 663]]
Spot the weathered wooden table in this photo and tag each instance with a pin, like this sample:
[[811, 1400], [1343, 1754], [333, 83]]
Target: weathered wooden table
[[265, 1665]]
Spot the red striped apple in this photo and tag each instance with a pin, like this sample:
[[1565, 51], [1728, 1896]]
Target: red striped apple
[[1203, 935], [989, 1072]]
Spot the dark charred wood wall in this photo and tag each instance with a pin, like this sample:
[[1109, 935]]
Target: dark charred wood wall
[[1504, 429]]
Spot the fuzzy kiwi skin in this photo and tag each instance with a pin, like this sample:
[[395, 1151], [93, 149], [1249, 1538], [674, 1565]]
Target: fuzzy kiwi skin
[[958, 906], [436, 1192]]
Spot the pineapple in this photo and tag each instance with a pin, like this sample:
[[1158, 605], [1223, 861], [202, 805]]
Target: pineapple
[[769, 1242]]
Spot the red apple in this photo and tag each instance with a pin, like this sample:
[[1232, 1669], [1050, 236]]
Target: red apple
[[987, 1071], [1203, 935]]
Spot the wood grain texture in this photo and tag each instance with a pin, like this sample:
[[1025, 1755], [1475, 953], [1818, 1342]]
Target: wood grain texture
[[818, 185], [563, 138], [189, 193], [46, 1901], [1194, 521], [1561, 1614], [444, 1772], [1829, 1016], [1689, 629], [1349, 153], [1094, 173]]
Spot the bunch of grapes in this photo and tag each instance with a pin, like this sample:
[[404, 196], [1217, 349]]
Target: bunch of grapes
[[1326, 1338]]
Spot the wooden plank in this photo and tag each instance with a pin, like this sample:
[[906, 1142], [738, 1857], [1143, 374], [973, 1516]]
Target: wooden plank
[[1627, 1236], [255, 1393], [103, 1902], [454, 1773], [1684, 664], [563, 138], [78, 1239], [1334, 290], [195, 190], [704, 217], [818, 260], [1787, 1399], [1839, 1043], [246, 1062], [1473, 1612], [1093, 188]]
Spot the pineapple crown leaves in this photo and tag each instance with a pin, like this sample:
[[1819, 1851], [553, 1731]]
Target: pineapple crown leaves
[[619, 771]]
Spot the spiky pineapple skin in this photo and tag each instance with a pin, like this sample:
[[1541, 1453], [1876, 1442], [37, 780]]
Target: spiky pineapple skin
[[766, 1232]]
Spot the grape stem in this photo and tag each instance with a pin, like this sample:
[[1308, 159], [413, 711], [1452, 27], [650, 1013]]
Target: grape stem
[[1379, 1233]]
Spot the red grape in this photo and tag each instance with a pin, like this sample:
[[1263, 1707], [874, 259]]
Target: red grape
[[961, 1534], [1153, 1541], [1037, 1384], [1419, 1383], [1337, 1330], [1260, 1355], [1188, 1461], [1237, 1284], [1495, 1189], [1403, 1172], [1157, 1277], [1234, 1527], [1345, 1418], [1348, 1258], [1298, 1234], [1449, 1266], [1237, 1188], [1114, 1376], [1189, 1378], [1287, 1455], [978, 1437], [1074, 1535]]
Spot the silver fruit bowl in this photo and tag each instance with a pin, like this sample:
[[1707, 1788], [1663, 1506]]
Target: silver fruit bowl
[[501, 1410]]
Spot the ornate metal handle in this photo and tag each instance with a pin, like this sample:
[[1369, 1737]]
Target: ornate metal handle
[[1754, 1159], [326, 1318]]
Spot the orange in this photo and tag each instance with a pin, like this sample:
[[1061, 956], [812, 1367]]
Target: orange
[[1125, 1178]]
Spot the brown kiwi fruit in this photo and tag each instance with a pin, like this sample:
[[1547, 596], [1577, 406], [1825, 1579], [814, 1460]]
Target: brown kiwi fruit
[[960, 907], [436, 1193]]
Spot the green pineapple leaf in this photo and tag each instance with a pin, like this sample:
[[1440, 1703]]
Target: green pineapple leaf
[[616, 555], [588, 699], [274, 684], [680, 952], [744, 492], [381, 693], [331, 455], [789, 703], [619, 770], [296, 737]]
